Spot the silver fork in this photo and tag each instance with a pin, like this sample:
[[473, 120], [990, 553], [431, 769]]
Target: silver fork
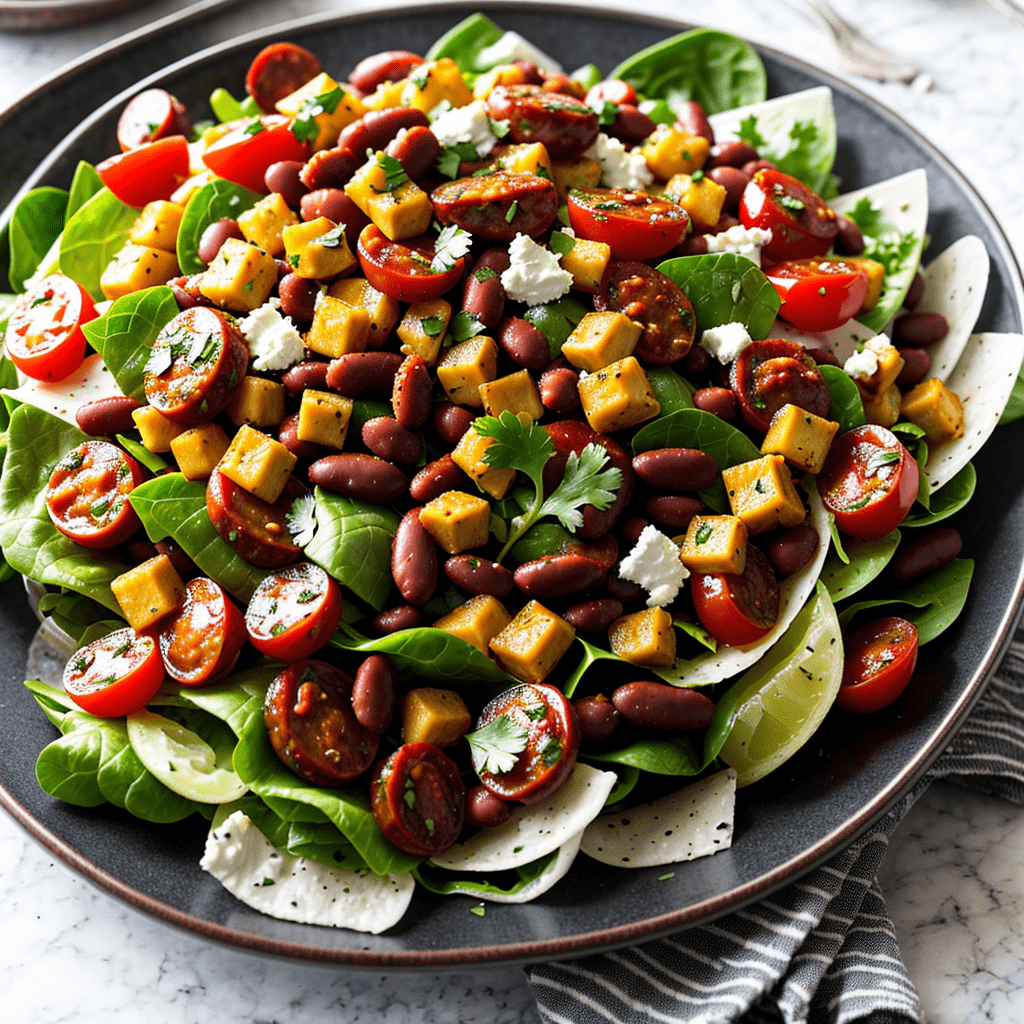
[[856, 54]]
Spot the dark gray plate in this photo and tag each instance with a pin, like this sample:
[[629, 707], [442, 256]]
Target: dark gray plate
[[849, 776]]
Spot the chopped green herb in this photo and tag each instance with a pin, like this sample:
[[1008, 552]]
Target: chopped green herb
[[332, 239], [432, 325], [704, 532], [254, 128], [496, 747], [512, 211], [394, 172], [790, 202], [478, 910], [561, 243], [484, 274], [452, 244]]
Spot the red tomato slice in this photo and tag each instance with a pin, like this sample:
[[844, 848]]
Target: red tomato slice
[[880, 659], [148, 172], [153, 114], [277, 71], [801, 223], [243, 154], [818, 295], [115, 675], [611, 90], [869, 482], [201, 642], [402, 269], [636, 225], [87, 495], [293, 612], [44, 334], [738, 609]]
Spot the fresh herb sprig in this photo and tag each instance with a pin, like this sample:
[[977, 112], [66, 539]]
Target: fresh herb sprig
[[496, 747], [452, 244]]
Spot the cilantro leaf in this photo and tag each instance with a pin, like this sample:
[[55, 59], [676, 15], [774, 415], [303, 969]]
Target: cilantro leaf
[[452, 244], [607, 112], [301, 521], [496, 747], [331, 239], [748, 133], [500, 128], [465, 325], [394, 172], [451, 158], [560, 243], [866, 216], [586, 482]]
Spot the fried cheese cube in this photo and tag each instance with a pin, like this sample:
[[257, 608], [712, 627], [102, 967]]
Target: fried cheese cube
[[617, 396], [477, 622], [802, 438], [645, 638], [148, 592], [198, 450], [258, 463], [240, 278], [600, 339], [936, 409], [532, 644], [457, 521], [468, 455], [762, 494], [715, 544]]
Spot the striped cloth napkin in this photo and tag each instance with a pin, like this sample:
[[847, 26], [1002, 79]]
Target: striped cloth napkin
[[823, 950]]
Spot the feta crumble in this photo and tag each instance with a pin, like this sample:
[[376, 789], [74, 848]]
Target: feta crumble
[[466, 124], [726, 341], [863, 365], [512, 47], [654, 565], [619, 168], [743, 241], [274, 343], [534, 275]]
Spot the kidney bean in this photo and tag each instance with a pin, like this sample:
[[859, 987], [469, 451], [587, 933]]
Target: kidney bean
[[479, 575], [559, 389], [416, 150], [919, 330], [660, 706], [932, 551], [674, 510], [288, 435], [733, 180], [732, 154], [436, 478], [484, 809], [450, 421], [692, 245], [215, 235], [141, 549], [631, 124], [389, 440], [375, 129], [283, 178], [677, 469], [622, 590], [849, 240], [632, 527], [298, 297], [373, 693], [414, 559], [312, 374], [412, 394], [598, 718], [593, 616], [403, 616], [378, 68], [721, 402], [111, 415], [483, 294], [359, 374], [791, 549], [362, 477], [186, 292], [915, 292], [691, 118], [183, 564], [523, 343], [752, 167], [330, 168], [916, 364], [697, 360], [559, 575], [335, 205]]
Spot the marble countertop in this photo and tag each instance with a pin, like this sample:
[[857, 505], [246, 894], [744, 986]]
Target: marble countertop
[[953, 878]]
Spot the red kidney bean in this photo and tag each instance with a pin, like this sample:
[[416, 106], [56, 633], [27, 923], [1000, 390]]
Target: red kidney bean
[[412, 394], [330, 168], [721, 402], [598, 718], [559, 575], [721, 376], [283, 178], [414, 559], [593, 616], [288, 435], [697, 360], [484, 809], [631, 124], [388, 439], [478, 575], [359, 374], [450, 421], [183, 564], [849, 240], [416, 150], [215, 235], [632, 527], [660, 706], [378, 68], [915, 291], [677, 469], [823, 356], [483, 294], [186, 292], [753, 166], [437, 478], [691, 118], [335, 205], [111, 415], [622, 590], [298, 297], [375, 129], [732, 154], [373, 693], [674, 510], [791, 549], [932, 551], [733, 180], [559, 388], [362, 477], [141, 549], [692, 245], [312, 374], [919, 330], [916, 364], [391, 620]]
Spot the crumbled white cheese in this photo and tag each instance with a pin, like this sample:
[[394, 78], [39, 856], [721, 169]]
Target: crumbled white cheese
[[863, 365], [654, 565], [534, 274], [620, 168], [726, 341], [466, 124], [512, 47], [274, 344], [742, 241]]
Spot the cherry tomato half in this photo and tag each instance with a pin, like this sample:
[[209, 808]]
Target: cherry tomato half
[[636, 225], [44, 334], [87, 495], [402, 269], [293, 612], [869, 482], [115, 675], [203, 638], [880, 659], [277, 71], [148, 172], [243, 154], [153, 114], [738, 609], [817, 294], [800, 222]]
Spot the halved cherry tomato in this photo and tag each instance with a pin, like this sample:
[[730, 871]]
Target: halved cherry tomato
[[203, 638], [44, 334], [636, 225], [738, 609], [817, 294], [293, 612], [549, 748], [611, 90], [880, 659], [153, 114], [87, 495], [243, 154], [869, 482], [402, 269], [115, 675], [800, 221], [148, 172], [277, 71]]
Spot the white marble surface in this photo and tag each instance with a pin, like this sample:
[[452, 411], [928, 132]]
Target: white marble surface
[[953, 879]]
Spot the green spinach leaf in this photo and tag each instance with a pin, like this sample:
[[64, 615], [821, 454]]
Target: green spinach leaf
[[84, 185], [847, 405], [866, 559], [947, 499], [673, 756], [590, 655], [221, 198], [556, 321], [466, 41], [1014, 408], [446, 884], [93, 237], [672, 391], [36, 224]]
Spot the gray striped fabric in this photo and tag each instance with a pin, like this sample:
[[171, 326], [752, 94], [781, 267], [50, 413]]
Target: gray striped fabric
[[823, 950]]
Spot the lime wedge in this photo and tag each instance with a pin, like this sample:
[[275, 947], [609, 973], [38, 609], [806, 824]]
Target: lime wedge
[[771, 711]]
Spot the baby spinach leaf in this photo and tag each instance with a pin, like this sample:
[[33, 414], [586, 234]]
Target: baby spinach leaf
[[847, 406], [866, 559], [153, 461], [1014, 408], [672, 391], [74, 613], [84, 185], [93, 236], [466, 41], [36, 224], [53, 700], [221, 198], [446, 883], [556, 321], [672, 756], [67, 768], [124, 335], [590, 655], [947, 499], [714, 68], [725, 288]]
